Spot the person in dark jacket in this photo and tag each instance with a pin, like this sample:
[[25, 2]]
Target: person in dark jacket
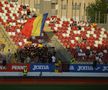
[[94, 64]]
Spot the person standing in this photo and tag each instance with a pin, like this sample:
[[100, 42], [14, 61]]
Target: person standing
[[3, 58], [94, 64], [9, 56], [25, 71], [53, 59]]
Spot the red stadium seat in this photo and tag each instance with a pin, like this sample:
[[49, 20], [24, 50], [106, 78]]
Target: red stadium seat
[[91, 36]]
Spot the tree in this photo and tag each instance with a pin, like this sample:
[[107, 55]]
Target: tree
[[13, 0], [97, 11]]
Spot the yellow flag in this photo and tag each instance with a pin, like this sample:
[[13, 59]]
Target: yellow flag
[[37, 26]]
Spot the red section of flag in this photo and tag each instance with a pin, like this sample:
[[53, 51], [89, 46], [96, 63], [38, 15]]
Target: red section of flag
[[27, 29]]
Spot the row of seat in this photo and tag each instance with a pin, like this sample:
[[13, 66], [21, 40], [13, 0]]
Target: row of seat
[[10, 14], [85, 37]]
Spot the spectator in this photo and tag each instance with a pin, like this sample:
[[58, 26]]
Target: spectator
[[25, 71], [22, 55], [24, 7], [88, 52], [53, 59], [105, 56], [78, 49], [9, 56], [28, 11], [98, 58], [33, 14], [3, 58], [100, 54], [94, 64], [49, 57], [28, 59]]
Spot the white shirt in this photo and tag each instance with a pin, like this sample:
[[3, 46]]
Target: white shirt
[[53, 59]]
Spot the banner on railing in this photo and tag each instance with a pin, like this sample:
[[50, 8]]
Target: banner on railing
[[50, 68], [42, 67], [88, 68], [30, 68], [14, 67]]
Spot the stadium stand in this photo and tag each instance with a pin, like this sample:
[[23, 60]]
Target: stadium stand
[[13, 17], [12, 20], [86, 42]]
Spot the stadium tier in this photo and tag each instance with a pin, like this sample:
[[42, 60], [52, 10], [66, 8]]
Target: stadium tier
[[13, 17], [85, 41], [37, 45]]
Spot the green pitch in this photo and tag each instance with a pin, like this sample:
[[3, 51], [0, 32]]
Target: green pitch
[[53, 87]]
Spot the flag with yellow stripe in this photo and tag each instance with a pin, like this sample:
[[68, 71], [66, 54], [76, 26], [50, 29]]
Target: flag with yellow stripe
[[38, 25], [34, 26]]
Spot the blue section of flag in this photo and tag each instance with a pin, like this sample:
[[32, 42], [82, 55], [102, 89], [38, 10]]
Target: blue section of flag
[[43, 22]]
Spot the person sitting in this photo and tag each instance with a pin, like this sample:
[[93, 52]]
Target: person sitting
[[28, 11], [33, 14]]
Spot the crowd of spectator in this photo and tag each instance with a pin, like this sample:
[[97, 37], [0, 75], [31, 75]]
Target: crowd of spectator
[[84, 40], [34, 53], [27, 54], [76, 39]]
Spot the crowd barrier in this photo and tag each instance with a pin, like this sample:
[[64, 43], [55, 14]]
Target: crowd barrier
[[42, 68], [51, 68], [88, 68]]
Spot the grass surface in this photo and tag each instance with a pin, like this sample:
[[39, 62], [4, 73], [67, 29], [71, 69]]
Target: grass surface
[[53, 87]]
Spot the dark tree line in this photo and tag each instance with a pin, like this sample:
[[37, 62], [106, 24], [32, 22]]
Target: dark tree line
[[97, 12]]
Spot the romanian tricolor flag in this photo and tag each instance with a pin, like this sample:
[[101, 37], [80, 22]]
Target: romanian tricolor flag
[[34, 26]]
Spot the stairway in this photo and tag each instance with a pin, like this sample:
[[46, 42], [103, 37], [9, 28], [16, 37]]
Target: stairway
[[5, 39], [62, 52]]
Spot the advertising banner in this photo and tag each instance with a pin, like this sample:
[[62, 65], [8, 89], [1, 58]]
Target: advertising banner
[[3, 69], [88, 68], [42, 67], [51, 68], [30, 67], [14, 67], [18, 67]]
